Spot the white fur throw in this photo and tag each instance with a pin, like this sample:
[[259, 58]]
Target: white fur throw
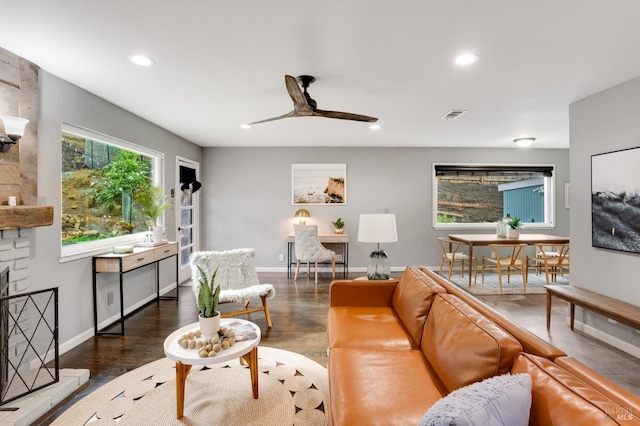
[[235, 274]]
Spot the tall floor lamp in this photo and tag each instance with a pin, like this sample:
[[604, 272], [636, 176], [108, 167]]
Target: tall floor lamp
[[378, 228]]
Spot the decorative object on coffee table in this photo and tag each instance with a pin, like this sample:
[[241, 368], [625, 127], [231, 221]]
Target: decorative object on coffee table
[[208, 296], [378, 228]]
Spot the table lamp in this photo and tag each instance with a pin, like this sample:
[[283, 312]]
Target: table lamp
[[302, 216], [378, 228]]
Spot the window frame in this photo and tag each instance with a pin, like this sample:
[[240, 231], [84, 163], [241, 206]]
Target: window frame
[[86, 249], [549, 188]]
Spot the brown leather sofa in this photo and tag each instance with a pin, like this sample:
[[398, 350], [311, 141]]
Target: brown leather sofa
[[398, 346]]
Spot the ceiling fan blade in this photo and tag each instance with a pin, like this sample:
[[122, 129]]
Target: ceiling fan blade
[[287, 115], [344, 116], [299, 101]]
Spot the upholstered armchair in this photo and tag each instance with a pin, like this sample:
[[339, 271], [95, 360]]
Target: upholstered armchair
[[310, 249], [237, 278]]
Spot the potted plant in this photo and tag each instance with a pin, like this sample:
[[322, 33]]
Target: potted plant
[[208, 296], [152, 204], [514, 227], [339, 225]]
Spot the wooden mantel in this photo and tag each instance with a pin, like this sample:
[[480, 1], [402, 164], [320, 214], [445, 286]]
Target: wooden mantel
[[18, 217]]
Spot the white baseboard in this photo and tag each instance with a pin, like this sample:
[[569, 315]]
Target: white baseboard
[[605, 337]]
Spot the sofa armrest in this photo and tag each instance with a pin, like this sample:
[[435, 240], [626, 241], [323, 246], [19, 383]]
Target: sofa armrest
[[621, 396], [361, 293]]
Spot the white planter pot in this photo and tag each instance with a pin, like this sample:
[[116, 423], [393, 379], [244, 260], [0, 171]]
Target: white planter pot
[[157, 233], [514, 233], [209, 326]]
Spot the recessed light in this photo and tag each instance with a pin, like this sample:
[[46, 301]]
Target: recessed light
[[466, 59], [245, 126], [141, 60], [375, 127]]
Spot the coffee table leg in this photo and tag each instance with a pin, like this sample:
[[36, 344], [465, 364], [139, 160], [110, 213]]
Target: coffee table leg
[[182, 371], [252, 360]]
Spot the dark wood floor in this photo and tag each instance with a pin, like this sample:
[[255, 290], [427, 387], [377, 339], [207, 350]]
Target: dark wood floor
[[298, 313]]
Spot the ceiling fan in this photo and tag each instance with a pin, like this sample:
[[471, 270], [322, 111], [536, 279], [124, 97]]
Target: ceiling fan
[[305, 106]]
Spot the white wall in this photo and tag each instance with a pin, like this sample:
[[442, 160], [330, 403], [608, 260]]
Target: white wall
[[604, 122], [61, 101], [246, 196]]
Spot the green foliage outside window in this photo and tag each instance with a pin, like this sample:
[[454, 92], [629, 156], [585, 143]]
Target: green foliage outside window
[[127, 174]]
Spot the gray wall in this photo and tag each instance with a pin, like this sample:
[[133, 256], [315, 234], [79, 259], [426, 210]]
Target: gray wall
[[61, 101], [246, 197], [604, 122]]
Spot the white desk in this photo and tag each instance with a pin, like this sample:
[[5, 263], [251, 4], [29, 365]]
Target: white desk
[[325, 238]]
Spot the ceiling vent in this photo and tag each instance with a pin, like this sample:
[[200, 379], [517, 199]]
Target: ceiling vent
[[453, 114]]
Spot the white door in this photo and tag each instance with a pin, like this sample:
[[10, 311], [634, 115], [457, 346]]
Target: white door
[[186, 202]]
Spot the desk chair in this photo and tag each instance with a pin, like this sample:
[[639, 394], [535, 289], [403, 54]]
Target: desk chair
[[450, 256], [310, 249], [237, 279], [554, 261], [507, 257]]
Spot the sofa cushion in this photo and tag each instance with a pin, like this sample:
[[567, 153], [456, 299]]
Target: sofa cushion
[[560, 398], [412, 300], [380, 387], [374, 328], [463, 346], [501, 400]]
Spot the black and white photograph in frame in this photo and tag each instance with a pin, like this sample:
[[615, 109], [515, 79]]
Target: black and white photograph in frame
[[319, 183], [615, 200]]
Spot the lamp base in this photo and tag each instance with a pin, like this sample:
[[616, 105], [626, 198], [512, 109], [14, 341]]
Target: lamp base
[[378, 267]]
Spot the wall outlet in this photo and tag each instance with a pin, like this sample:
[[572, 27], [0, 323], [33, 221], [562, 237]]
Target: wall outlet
[[281, 257], [110, 298]]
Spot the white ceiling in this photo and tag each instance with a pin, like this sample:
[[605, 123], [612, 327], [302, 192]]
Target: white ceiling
[[221, 63]]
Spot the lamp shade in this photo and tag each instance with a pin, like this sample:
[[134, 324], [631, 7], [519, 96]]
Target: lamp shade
[[302, 216], [14, 126], [377, 228]]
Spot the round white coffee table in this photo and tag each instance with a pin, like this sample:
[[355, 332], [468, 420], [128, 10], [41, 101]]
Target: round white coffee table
[[246, 350]]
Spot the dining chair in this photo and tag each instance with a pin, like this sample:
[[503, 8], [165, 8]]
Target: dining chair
[[450, 256], [509, 257], [309, 249], [554, 261]]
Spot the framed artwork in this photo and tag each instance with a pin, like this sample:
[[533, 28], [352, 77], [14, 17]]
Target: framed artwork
[[319, 183], [615, 200]]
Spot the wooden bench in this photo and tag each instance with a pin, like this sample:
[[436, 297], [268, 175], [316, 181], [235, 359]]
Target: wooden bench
[[622, 312]]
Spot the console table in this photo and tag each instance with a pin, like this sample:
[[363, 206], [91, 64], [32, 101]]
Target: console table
[[325, 238], [123, 263]]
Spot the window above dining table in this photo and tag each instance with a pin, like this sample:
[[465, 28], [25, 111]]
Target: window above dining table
[[480, 195]]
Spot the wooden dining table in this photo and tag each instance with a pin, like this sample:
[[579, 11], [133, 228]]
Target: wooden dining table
[[472, 240]]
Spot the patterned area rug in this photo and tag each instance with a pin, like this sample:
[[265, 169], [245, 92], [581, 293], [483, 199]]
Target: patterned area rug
[[535, 283], [293, 390]]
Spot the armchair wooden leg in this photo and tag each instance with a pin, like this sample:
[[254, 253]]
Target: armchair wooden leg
[[266, 311], [316, 273], [295, 277]]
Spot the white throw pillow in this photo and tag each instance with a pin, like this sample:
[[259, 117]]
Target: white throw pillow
[[500, 400]]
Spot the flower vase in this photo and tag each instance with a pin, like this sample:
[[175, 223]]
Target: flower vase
[[514, 234], [209, 326], [157, 233], [338, 231]]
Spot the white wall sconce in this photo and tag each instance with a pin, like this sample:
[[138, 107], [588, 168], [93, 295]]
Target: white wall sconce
[[13, 131], [524, 142]]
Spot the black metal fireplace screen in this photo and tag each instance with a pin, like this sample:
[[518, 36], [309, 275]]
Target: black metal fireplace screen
[[28, 341]]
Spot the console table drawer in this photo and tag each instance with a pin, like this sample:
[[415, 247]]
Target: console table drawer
[[166, 251], [136, 260]]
